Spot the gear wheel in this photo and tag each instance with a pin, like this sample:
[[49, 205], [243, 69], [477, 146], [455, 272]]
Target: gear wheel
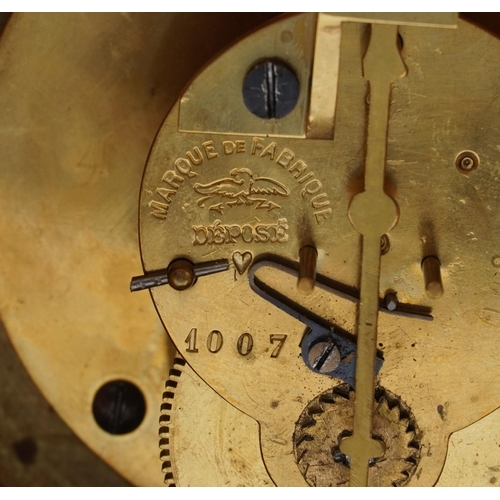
[[329, 417], [204, 440], [166, 408]]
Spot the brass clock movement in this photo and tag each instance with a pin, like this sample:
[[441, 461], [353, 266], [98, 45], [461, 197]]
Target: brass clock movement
[[319, 231]]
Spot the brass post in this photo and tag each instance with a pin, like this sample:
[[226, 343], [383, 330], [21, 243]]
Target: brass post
[[307, 269], [431, 268]]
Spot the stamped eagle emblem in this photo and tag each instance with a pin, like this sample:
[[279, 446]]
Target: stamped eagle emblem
[[242, 187]]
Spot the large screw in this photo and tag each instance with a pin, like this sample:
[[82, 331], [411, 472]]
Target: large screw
[[271, 89], [119, 407]]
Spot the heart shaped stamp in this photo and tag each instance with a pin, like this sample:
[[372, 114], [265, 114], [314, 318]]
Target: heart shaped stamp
[[242, 261]]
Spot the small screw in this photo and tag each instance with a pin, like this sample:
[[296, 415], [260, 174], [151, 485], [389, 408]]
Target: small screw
[[466, 162], [391, 301], [324, 356]]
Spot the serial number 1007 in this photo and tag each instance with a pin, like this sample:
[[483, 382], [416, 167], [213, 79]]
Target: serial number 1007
[[244, 344]]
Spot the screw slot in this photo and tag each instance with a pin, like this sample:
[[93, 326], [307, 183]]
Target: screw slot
[[271, 89], [466, 162]]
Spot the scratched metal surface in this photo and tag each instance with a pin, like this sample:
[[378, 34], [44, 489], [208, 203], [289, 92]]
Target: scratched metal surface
[[37, 448], [414, 353]]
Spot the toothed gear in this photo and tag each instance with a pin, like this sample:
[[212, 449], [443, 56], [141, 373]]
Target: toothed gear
[[204, 440], [329, 417], [165, 419]]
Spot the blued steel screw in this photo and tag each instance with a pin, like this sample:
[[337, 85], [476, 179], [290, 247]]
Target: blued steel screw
[[271, 89], [324, 356]]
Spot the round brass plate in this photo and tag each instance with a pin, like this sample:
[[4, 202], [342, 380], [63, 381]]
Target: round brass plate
[[220, 184], [82, 96]]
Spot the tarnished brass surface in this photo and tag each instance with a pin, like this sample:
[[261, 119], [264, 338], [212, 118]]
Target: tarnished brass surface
[[444, 370], [71, 163], [82, 96], [325, 78], [219, 448], [293, 42], [200, 450]]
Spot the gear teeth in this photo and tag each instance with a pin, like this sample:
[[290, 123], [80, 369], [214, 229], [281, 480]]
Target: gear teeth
[[379, 393], [166, 467], [165, 408], [343, 390], [165, 419], [179, 360], [408, 471], [414, 443], [164, 432], [409, 437], [328, 399], [404, 414], [308, 422], [404, 422], [301, 456], [304, 437], [410, 427], [412, 460], [405, 477], [315, 410], [383, 407], [167, 395], [395, 413], [398, 427]]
